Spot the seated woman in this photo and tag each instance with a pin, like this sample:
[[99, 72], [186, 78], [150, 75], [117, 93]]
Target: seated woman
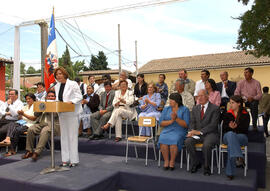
[[122, 100], [20, 126], [214, 95], [175, 120], [90, 105], [148, 106], [235, 128]]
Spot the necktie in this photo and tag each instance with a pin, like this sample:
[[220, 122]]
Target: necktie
[[107, 98], [202, 112]]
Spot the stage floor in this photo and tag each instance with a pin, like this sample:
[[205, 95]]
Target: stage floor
[[105, 172]]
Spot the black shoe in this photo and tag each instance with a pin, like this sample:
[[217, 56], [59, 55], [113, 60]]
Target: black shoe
[[165, 168], [195, 168], [230, 177], [93, 137], [240, 163], [172, 168], [207, 171]]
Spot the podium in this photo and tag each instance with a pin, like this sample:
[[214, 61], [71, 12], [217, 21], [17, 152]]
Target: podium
[[53, 107]]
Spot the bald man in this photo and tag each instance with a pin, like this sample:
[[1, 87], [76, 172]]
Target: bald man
[[226, 88]]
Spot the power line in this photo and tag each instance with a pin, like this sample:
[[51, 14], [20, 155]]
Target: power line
[[67, 42], [83, 37], [6, 30], [71, 37], [108, 10]]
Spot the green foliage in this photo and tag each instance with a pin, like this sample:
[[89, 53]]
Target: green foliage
[[22, 69], [31, 70], [254, 32], [245, 2], [99, 62], [72, 68]]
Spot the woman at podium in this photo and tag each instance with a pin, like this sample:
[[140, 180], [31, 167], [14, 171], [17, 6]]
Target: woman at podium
[[69, 92]]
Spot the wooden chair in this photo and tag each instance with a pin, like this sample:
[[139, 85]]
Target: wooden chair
[[223, 148], [143, 140]]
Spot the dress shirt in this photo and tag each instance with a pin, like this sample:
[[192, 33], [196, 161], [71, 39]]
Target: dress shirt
[[224, 93], [188, 99], [249, 89], [205, 107], [199, 86], [13, 109], [214, 98]]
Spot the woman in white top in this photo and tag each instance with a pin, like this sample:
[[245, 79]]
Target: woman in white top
[[69, 92], [20, 126], [122, 100]]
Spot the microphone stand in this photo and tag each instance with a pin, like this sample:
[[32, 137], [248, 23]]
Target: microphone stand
[[53, 168]]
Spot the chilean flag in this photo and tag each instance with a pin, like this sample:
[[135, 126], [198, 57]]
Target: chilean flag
[[51, 60]]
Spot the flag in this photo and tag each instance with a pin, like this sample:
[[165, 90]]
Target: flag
[[51, 59]]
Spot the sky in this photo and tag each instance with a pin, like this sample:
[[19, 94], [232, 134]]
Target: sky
[[187, 28]]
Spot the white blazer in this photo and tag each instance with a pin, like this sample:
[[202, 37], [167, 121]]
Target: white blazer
[[71, 93], [129, 98]]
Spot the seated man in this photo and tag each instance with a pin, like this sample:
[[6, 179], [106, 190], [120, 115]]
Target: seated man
[[203, 128], [43, 129], [101, 117], [9, 110]]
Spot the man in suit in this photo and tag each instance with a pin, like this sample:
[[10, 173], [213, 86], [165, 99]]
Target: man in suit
[[101, 117], [43, 128], [226, 89], [203, 128]]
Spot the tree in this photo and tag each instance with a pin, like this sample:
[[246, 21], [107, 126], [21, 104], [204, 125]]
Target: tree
[[79, 66], [99, 62], [22, 69], [66, 62], [72, 68], [31, 70], [254, 32]]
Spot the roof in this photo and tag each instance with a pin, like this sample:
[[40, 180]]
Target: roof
[[101, 72], [209, 61], [6, 61]]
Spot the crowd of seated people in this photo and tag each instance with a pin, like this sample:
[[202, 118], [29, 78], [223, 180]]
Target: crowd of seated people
[[191, 115]]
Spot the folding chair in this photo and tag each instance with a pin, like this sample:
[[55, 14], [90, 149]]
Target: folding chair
[[142, 140], [199, 147], [126, 120], [223, 148]]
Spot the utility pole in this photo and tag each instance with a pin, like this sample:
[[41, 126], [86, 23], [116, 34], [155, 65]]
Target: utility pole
[[136, 59], [44, 42], [119, 50]]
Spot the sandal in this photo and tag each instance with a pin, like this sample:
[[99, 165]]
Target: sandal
[[117, 139], [10, 153], [64, 164]]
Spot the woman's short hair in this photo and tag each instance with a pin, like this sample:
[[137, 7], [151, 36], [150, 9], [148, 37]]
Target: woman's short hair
[[177, 98], [153, 85], [122, 82], [163, 76], [212, 84], [64, 72], [32, 96]]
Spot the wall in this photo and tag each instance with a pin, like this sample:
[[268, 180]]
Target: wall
[[2, 82], [261, 73]]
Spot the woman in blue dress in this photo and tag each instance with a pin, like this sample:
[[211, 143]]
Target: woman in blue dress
[[175, 120], [148, 106]]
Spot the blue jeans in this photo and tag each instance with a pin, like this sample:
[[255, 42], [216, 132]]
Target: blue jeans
[[234, 142]]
